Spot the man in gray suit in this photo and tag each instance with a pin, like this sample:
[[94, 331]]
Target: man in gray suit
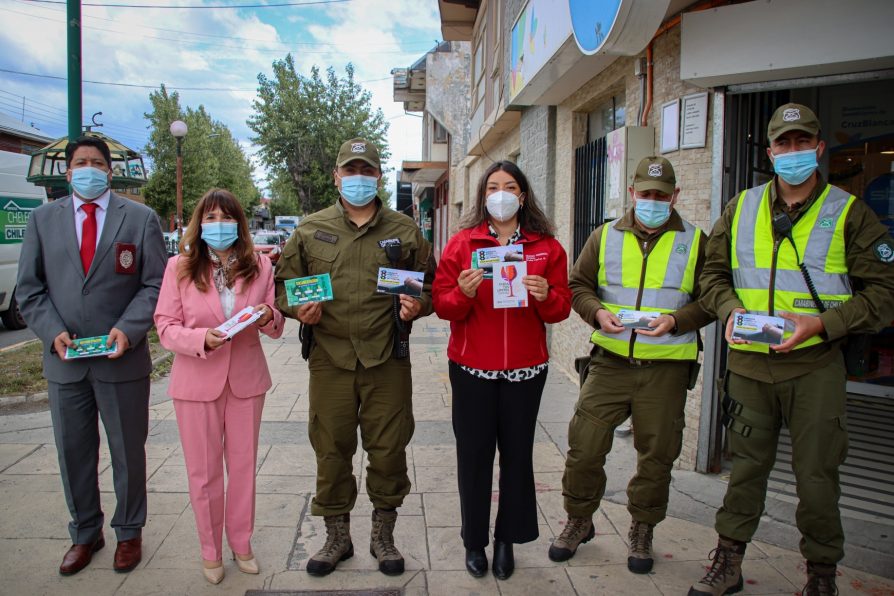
[[92, 264]]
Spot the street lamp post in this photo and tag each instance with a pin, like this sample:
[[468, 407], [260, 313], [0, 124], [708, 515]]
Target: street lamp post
[[179, 129]]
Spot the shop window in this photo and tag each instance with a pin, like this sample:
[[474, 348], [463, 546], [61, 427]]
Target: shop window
[[608, 116], [439, 133]]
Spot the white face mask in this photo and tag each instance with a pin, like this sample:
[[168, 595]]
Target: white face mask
[[502, 205]]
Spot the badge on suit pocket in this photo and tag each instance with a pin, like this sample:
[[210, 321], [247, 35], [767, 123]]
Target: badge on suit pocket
[[125, 258]]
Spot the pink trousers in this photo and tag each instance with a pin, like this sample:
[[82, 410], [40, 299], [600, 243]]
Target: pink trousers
[[213, 433]]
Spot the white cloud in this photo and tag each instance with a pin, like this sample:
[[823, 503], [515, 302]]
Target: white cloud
[[133, 46]]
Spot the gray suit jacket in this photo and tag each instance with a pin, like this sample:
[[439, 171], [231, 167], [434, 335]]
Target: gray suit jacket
[[54, 295]]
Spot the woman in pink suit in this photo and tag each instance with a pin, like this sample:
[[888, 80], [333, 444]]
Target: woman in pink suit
[[218, 382]]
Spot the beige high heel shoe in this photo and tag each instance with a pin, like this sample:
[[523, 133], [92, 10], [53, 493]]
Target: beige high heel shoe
[[247, 565], [213, 575]]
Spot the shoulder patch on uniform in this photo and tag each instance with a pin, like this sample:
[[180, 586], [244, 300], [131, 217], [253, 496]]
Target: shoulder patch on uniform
[[884, 251], [325, 237], [389, 242]]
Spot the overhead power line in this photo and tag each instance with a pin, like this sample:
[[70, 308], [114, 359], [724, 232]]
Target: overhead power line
[[138, 86], [196, 6]]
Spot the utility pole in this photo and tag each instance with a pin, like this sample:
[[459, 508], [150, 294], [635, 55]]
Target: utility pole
[[73, 27]]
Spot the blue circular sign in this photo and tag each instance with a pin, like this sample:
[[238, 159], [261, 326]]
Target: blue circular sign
[[591, 21]]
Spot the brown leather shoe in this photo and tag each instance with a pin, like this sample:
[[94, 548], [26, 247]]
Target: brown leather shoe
[[79, 555], [128, 554]]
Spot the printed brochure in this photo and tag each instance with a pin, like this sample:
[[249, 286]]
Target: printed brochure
[[509, 291], [758, 328], [314, 288], [398, 281], [240, 321], [90, 347], [485, 258], [637, 319]]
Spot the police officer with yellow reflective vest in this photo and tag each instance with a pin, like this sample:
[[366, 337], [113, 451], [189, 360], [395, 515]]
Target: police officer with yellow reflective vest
[[359, 363], [815, 255], [648, 261]]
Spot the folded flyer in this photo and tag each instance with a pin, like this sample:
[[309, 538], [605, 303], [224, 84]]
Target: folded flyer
[[314, 288], [398, 281], [637, 319], [90, 347], [240, 321], [509, 291], [758, 328], [485, 258]]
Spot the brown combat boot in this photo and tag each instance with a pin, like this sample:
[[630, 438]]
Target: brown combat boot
[[639, 549], [381, 542], [577, 530], [820, 580], [338, 545], [725, 574]]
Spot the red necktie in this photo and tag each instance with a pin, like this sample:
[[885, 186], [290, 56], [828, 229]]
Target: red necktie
[[88, 236]]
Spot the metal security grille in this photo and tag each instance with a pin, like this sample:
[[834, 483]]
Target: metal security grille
[[867, 475], [589, 185]]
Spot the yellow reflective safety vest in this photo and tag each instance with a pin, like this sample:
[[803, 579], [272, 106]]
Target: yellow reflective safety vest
[[765, 270], [660, 280]]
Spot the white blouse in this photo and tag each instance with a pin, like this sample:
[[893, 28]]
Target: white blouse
[[227, 301]]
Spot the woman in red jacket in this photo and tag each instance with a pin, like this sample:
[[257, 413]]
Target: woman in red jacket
[[498, 358]]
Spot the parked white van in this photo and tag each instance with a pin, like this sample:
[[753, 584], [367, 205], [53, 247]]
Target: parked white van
[[18, 198]]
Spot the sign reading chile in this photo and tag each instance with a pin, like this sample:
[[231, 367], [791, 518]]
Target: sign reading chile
[[592, 20]]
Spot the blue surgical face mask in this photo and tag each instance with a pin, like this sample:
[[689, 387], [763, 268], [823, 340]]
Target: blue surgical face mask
[[220, 235], [796, 166], [652, 214], [89, 182], [359, 190]]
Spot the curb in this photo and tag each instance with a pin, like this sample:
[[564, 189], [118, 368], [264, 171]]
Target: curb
[[43, 396]]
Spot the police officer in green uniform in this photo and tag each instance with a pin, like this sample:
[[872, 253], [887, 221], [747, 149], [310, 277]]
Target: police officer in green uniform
[[359, 374], [649, 260], [755, 254]]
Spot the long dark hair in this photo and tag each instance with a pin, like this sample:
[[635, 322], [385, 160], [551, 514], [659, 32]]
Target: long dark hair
[[530, 216], [195, 263]]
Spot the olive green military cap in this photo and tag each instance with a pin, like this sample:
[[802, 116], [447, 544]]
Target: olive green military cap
[[358, 149], [792, 116], [655, 173]]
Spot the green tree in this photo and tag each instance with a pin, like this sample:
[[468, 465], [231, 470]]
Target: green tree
[[300, 122], [211, 158]]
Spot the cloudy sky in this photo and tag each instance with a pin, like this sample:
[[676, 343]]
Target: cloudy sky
[[222, 49]]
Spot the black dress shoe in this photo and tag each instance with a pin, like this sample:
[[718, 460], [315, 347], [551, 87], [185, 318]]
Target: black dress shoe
[[504, 560], [476, 562]]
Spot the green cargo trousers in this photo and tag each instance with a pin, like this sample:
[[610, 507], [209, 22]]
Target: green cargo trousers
[[813, 408], [654, 394], [379, 401]]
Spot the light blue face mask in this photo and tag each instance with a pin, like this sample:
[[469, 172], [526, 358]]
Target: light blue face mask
[[220, 235], [652, 214], [89, 182], [796, 166], [359, 190]]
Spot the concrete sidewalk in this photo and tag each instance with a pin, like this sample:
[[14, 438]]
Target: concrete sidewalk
[[33, 516]]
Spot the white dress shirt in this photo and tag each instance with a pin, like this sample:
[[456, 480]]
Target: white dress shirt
[[227, 301], [80, 215]]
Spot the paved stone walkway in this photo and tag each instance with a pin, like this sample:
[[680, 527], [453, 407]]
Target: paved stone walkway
[[33, 535]]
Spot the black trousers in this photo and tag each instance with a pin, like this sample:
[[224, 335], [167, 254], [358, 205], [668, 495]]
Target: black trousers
[[488, 415]]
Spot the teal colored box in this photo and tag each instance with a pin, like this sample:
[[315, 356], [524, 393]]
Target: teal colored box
[[90, 347], [314, 288]]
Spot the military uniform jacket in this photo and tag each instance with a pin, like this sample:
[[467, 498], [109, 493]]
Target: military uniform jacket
[[870, 266], [358, 323]]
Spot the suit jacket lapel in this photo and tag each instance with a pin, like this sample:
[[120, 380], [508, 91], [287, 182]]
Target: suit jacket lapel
[[111, 225], [68, 233], [212, 299]]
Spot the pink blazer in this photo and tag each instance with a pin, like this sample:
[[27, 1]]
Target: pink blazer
[[182, 317]]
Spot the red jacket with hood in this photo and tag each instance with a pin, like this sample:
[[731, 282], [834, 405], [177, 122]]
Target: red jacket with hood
[[504, 338]]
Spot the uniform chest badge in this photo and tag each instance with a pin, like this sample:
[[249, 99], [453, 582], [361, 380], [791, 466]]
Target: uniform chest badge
[[681, 249], [125, 258], [825, 223]]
